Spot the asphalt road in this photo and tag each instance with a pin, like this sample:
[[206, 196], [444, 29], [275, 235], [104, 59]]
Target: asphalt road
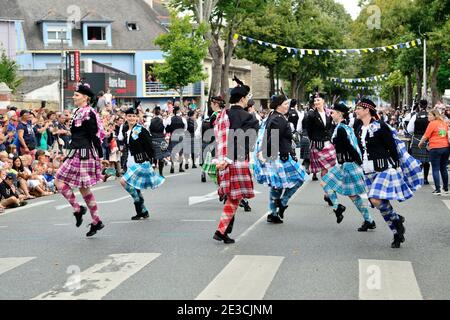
[[172, 255]]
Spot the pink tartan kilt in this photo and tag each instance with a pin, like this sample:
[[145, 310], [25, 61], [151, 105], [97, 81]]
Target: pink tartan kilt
[[236, 181], [324, 159], [78, 173]]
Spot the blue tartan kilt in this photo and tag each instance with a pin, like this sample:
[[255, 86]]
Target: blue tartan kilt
[[278, 174], [346, 179], [388, 185], [142, 176]]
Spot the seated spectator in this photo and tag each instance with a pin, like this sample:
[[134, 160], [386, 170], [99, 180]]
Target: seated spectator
[[22, 177], [12, 151], [35, 184], [8, 193], [41, 168], [5, 161]]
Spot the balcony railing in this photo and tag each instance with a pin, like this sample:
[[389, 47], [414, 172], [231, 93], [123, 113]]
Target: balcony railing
[[158, 89]]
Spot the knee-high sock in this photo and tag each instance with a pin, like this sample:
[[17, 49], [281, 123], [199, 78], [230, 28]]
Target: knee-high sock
[[388, 214], [332, 195], [289, 193], [67, 193], [426, 170], [363, 208], [141, 197], [92, 205], [136, 195], [229, 210], [275, 194]]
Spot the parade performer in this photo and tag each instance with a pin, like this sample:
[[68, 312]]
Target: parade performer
[[275, 160], [390, 172], [140, 174], [82, 166], [347, 177], [417, 127], [232, 157], [176, 126], [319, 127], [160, 146]]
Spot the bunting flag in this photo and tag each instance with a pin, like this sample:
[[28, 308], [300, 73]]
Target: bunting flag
[[318, 52], [349, 87], [360, 80]]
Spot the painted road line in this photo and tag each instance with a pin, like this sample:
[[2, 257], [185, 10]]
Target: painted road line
[[95, 189], [122, 222], [208, 197], [198, 220], [447, 203], [177, 175], [387, 280], [96, 282], [3, 227], [64, 206], [28, 206], [7, 264], [244, 278]]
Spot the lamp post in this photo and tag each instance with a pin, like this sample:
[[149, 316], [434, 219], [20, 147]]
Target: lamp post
[[61, 80]]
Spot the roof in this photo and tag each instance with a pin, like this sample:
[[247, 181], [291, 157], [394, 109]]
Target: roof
[[112, 11], [53, 16], [10, 10], [36, 79]]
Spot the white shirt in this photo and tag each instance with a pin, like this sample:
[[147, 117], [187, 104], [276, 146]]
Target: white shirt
[[367, 165], [323, 115], [130, 159]]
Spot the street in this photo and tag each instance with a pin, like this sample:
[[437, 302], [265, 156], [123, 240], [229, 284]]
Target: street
[[172, 255]]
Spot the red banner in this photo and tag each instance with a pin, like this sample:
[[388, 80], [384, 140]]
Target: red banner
[[77, 66]]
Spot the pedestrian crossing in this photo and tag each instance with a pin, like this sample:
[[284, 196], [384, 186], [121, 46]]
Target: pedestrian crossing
[[243, 277]]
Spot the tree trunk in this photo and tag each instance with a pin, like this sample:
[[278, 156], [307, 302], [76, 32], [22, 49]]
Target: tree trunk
[[294, 83], [409, 98], [217, 56], [272, 81], [229, 50], [302, 91], [434, 88], [418, 83]]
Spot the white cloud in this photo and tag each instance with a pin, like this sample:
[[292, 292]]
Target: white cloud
[[351, 6]]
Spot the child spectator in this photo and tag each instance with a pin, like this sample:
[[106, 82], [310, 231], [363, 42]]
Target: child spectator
[[22, 177], [8, 193]]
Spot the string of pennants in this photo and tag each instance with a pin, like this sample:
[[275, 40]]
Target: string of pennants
[[317, 52], [360, 80], [344, 86]]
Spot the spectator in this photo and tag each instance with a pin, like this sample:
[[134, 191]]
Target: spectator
[[437, 135], [25, 133], [108, 97], [101, 102], [8, 193], [22, 177], [63, 133], [44, 137], [12, 151], [34, 184]]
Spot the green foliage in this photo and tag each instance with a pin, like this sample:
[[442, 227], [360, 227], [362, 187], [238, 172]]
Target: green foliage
[[184, 50], [8, 72]]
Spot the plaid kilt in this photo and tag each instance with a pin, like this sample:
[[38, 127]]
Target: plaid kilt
[[210, 168], [388, 185], [158, 153], [77, 173], [423, 155], [278, 174], [323, 160], [304, 147], [411, 168], [346, 179], [236, 181], [142, 176]]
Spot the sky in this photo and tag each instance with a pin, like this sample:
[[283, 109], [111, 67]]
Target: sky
[[351, 6]]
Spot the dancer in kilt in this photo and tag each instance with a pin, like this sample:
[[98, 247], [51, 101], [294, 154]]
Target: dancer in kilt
[[160, 146], [319, 127], [275, 160], [390, 172], [232, 157], [347, 176], [417, 127], [82, 167], [140, 174]]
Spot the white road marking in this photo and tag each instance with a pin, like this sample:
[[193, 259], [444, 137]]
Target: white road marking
[[387, 280], [122, 222], [447, 203], [208, 197], [96, 282], [95, 189], [244, 278], [7, 264], [28, 206], [64, 206], [177, 175], [3, 227]]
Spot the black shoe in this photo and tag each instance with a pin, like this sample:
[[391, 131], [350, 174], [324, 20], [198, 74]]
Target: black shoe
[[203, 178], [339, 211], [328, 200], [181, 170], [244, 204], [172, 170], [397, 241], [400, 228], [426, 182], [194, 166], [94, 228], [140, 216], [186, 166], [366, 226], [274, 219], [222, 237], [79, 216], [315, 178], [281, 208]]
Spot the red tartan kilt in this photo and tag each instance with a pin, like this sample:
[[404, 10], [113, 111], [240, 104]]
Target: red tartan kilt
[[236, 181]]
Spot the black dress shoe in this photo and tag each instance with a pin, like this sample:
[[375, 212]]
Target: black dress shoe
[[181, 170], [328, 200], [397, 241], [203, 178], [194, 166], [222, 237], [339, 211], [140, 216], [244, 204], [315, 178], [79, 216], [426, 182], [281, 208], [400, 228], [94, 228], [172, 170], [274, 219], [366, 226], [186, 166]]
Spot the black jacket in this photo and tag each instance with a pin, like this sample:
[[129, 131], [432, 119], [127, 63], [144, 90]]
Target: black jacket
[[157, 127], [381, 148], [421, 123], [344, 149], [317, 130], [243, 133], [84, 138], [277, 121], [141, 148]]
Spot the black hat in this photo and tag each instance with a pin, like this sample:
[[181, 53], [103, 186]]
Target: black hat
[[132, 110], [319, 95], [157, 108], [423, 103], [367, 103], [137, 103], [191, 113], [218, 99], [341, 107], [277, 101], [293, 103], [86, 90], [238, 92]]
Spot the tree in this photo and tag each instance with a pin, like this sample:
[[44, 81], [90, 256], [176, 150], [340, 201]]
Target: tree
[[8, 72], [184, 51]]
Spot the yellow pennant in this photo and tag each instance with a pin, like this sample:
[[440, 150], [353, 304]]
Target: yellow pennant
[[310, 52], [236, 36]]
